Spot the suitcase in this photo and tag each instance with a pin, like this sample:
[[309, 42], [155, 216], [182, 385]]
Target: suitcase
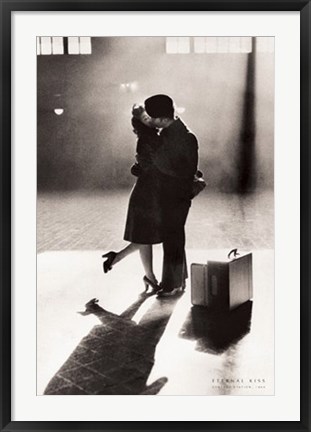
[[222, 284]]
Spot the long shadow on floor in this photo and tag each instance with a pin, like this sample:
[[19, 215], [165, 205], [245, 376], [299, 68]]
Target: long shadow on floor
[[217, 330], [117, 356]]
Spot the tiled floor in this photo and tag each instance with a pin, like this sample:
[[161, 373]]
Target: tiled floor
[[133, 343], [89, 221]]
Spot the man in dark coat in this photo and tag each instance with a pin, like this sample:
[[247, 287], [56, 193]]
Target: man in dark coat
[[176, 161]]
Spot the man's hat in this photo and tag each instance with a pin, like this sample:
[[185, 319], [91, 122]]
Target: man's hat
[[159, 106]]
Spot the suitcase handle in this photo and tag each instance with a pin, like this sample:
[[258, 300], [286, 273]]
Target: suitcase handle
[[234, 252]]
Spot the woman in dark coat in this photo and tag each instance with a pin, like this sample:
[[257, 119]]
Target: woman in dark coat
[[143, 223]]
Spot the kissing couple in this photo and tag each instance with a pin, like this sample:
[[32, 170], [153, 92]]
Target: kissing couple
[[167, 180]]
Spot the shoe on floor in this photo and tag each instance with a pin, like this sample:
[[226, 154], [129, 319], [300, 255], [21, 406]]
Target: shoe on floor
[[169, 293]]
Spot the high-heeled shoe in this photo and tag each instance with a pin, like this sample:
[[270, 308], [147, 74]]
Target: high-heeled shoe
[[154, 285], [169, 293], [107, 265]]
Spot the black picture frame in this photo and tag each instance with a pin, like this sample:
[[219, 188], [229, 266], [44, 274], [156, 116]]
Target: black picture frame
[[7, 7]]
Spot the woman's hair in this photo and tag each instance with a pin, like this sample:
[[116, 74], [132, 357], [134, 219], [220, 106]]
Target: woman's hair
[[140, 129]]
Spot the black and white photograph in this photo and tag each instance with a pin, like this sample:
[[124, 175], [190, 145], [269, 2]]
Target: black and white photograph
[[155, 215]]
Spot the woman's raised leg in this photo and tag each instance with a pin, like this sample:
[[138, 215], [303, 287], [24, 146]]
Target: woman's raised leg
[[146, 256], [127, 250], [114, 257]]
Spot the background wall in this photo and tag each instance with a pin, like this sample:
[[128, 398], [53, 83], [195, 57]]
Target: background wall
[[91, 145]]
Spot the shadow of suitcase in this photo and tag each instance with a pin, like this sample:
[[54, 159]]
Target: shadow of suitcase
[[222, 284]]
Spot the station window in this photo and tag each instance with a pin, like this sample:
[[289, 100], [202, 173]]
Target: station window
[[218, 44], [49, 45]]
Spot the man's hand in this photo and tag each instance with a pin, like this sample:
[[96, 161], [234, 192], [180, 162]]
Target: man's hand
[[137, 111], [199, 174], [136, 170]]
